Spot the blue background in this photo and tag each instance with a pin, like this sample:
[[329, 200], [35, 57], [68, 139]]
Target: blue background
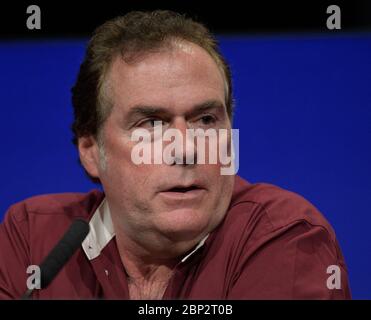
[[303, 107]]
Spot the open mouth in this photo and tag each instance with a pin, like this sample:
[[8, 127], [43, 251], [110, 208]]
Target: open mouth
[[183, 189]]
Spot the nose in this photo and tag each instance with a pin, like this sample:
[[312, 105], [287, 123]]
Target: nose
[[186, 154]]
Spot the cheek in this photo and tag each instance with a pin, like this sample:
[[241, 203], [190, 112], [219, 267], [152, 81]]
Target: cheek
[[127, 186], [221, 185], [118, 147], [120, 171]]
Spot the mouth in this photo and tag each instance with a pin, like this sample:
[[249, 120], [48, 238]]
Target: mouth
[[180, 192], [181, 189]]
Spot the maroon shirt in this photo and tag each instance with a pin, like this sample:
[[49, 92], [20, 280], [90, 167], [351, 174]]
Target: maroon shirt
[[272, 244]]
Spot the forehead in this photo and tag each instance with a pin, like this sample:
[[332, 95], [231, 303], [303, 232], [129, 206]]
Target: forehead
[[175, 78]]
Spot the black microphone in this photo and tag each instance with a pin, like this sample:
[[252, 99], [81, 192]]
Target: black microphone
[[61, 253]]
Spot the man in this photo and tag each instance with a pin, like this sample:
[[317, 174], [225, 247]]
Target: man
[[167, 230]]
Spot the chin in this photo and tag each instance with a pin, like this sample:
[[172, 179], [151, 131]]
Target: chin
[[184, 224]]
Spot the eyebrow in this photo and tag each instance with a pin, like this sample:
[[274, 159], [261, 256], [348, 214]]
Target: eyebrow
[[207, 106], [139, 111]]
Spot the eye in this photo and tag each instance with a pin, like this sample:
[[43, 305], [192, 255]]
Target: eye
[[151, 123], [207, 119]]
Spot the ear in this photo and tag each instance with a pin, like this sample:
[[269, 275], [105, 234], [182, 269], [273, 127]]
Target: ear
[[89, 155]]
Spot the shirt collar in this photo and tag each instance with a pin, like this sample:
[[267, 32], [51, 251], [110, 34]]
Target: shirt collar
[[101, 233], [200, 244]]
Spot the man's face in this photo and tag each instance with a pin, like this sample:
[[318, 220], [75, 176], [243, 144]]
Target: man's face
[[183, 88]]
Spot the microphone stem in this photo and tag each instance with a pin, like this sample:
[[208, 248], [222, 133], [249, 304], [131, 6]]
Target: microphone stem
[[27, 295]]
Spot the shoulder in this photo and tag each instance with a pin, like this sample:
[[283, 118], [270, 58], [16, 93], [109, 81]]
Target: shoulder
[[72, 205], [30, 230], [275, 207], [37, 223], [31, 218], [262, 213], [277, 233]]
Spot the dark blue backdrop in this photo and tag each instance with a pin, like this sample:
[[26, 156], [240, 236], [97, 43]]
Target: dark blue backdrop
[[303, 110]]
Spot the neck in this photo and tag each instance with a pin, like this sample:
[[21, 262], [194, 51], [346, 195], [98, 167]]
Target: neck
[[150, 256], [147, 277], [140, 264]]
